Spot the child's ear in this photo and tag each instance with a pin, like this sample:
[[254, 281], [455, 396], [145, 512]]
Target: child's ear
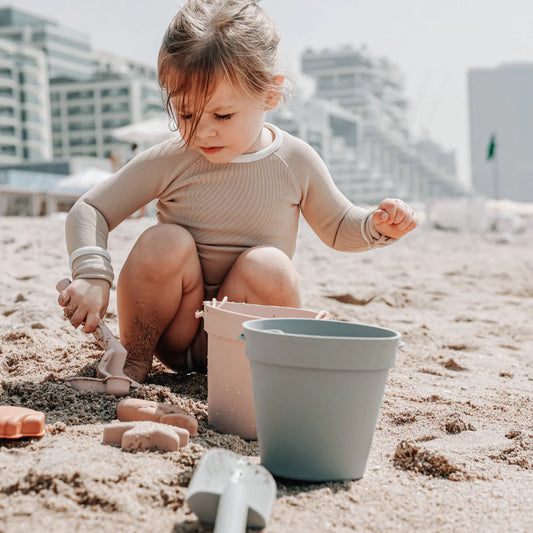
[[274, 94]]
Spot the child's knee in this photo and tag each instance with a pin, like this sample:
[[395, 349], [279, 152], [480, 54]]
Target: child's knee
[[269, 271], [162, 250]]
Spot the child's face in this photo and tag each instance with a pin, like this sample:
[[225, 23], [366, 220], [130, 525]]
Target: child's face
[[231, 124]]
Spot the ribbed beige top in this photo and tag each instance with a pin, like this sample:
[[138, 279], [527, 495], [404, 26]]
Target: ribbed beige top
[[254, 200]]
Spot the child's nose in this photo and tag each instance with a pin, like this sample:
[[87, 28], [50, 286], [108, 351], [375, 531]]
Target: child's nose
[[206, 128]]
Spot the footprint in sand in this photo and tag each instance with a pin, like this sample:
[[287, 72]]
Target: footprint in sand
[[451, 364], [455, 424], [350, 299]]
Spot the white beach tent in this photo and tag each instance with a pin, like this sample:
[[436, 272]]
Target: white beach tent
[[147, 132], [83, 181]]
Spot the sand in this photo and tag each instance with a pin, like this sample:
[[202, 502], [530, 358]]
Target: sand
[[453, 447]]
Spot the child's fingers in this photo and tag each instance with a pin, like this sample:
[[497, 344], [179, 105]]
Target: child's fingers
[[63, 298], [390, 206], [91, 322], [78, 317], [408, 221], [380, 217]]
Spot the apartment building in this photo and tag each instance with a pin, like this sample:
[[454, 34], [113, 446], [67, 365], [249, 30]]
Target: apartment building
[[68, 51], [85, 113], [24, 104], [372, 89]]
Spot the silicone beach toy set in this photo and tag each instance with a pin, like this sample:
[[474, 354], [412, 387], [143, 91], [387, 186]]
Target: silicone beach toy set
[[275, 374]]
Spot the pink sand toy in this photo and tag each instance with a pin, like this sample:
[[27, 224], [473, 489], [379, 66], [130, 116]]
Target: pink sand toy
[[229, 385], [17, 422], [110, 371], [144, 435], [135, 409]]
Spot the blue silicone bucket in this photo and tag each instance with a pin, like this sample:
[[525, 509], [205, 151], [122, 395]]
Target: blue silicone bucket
[[317, 390]]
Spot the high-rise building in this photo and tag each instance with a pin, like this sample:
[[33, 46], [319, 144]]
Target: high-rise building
[[24, 104], [68, 51], [334, 132], [385, 159], [370, 87], [500, 102], [79, 97], [84, 113]]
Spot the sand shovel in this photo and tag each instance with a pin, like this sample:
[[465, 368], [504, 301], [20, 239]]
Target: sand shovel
[[110, 371], [231, 493]]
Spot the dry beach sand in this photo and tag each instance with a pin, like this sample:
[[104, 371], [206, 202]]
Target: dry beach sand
[[453, 448]]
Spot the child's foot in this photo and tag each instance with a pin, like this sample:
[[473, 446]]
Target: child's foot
[[137, 369]]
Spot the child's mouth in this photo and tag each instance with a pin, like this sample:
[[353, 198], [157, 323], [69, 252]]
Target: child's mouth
[[210, 149]]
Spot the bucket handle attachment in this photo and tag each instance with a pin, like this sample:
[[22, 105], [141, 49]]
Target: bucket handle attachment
[[401, 345], [242, 338]]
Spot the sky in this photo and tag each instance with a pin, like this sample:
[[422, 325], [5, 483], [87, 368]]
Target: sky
[[433, 42]]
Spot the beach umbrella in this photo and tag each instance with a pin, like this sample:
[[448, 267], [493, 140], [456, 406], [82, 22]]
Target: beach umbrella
[[152, 130], [83, 180]]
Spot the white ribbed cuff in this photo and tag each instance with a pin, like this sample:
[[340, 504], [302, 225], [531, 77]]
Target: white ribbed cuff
[[88, 250], [371, 235], [91, 262], [107, 277]]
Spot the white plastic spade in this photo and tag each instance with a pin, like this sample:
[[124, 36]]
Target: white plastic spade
[[111, 378], [231, 493]]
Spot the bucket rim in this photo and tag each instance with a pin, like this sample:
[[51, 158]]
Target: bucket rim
[[208, 304], [395, 334]]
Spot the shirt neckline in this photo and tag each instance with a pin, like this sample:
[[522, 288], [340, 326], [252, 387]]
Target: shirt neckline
[[265, 152]]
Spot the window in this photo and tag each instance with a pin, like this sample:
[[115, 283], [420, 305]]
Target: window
[[7, 112], [30, 116], [119, 91], [28, 97], [115, 107], [7, 130], [81, 126], [30, 135], [76, 95], [7, 150], [28, 79], [81, 110]]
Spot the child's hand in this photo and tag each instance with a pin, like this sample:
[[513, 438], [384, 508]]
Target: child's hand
[[85, 302], [394, 218]]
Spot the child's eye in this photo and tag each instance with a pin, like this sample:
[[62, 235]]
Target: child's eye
[[223, 117], [184, 116]]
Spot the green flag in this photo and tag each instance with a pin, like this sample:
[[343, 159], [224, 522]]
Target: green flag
[[491, 151]]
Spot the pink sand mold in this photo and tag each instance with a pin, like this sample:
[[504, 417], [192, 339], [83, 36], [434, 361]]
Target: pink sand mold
[[143, 435], [131, 409], [17, 422], [110, 371]]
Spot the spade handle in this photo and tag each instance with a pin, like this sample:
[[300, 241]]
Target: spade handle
[[232, 509]]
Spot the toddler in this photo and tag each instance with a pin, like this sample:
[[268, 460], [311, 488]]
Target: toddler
[[230, 190]]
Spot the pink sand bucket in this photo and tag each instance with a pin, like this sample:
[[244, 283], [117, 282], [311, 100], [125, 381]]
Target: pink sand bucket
[[229, 385]]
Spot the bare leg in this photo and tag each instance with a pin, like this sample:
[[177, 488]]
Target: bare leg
[[159, 289], [262, 275]]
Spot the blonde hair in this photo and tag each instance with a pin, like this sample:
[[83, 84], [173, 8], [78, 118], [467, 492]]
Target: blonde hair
[[211, 39]]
